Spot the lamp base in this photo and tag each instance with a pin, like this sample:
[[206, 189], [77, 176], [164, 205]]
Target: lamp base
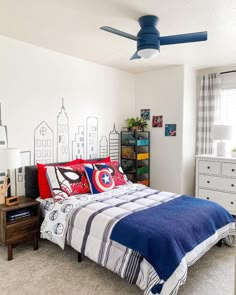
[[221, 149]]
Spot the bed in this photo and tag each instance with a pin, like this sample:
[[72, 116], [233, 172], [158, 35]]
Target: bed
[[146, 236]]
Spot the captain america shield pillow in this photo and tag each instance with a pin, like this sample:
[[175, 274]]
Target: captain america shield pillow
[[99, 180], [115, 170]]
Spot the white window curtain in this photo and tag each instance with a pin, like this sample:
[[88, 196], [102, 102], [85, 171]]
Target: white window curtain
[[208, 112]]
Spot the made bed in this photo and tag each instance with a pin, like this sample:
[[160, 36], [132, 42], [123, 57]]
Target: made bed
[[146, 236]]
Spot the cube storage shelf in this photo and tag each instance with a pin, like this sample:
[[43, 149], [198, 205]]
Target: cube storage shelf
[[135, 156]]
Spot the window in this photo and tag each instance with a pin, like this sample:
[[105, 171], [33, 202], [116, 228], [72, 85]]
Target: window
[[228, 111]]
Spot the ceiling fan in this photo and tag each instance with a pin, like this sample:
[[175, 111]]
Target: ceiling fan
[[149, 39]]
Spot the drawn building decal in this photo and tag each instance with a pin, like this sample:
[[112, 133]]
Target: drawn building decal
[[103, 147], [92, 137], [114, 144], [3, 142], [78, 145], [43, 143], [17, 176], [3, 132], [62, 135]]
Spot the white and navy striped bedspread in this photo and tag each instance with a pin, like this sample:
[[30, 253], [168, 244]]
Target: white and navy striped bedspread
[[88, 227]]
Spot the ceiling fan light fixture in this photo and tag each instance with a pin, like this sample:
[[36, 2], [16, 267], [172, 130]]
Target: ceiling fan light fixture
[[148, 52]]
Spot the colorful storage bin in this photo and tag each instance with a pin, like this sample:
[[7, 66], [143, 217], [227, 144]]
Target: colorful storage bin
[[141, 142], [142, 170], [143, 156]]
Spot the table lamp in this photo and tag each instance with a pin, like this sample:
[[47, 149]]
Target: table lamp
[[221, 133], [9, 159]]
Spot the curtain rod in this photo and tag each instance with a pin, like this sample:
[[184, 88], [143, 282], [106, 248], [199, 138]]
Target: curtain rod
[[233, 71]]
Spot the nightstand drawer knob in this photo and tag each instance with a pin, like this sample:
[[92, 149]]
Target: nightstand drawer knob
[[208, 198], [232, 203], [208, 181], [232, 184], [208, 167], [232, 170]]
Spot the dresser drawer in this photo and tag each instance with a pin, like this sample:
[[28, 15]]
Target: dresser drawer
[[17, 229], [227, 200], [217, 183], [229, 169], [209, 167]]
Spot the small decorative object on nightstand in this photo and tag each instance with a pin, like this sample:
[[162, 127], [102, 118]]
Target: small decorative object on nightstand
[[19, 223]]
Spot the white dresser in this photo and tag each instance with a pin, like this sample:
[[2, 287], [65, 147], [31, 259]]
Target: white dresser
[[216, 180]]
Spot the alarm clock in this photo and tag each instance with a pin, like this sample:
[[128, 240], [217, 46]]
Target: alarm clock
[[10, 201]]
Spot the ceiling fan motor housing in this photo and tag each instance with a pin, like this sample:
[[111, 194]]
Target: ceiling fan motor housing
[[148, 36]]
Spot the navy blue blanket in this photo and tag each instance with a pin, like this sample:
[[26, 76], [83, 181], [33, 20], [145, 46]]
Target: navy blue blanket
[[164, 234]]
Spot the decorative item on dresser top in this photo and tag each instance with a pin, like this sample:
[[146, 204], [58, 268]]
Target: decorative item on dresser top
[[19, 223], [216, 180], [221, 133]]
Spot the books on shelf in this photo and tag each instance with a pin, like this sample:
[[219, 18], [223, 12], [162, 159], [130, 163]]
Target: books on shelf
[[18, 214]]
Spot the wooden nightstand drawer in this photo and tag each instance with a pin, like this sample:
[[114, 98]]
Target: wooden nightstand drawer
[[17, 229], [209, 167]]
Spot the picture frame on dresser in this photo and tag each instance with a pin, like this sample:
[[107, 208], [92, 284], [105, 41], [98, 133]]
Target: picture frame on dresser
[[216, 180]]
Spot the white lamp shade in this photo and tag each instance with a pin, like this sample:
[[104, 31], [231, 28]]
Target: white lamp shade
[[221, 132], [9, 158], [148, 52]]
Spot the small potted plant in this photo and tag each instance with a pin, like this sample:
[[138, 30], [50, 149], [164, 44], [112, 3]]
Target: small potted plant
[[233, 152], [137, 124]]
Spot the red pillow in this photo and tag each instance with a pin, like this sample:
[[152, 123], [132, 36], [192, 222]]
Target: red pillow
[[92, 161], [117, 173], [44, 188]]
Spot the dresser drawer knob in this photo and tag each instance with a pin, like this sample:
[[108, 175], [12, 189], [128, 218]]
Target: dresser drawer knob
[[208, 198], [232, 203], [232, 170], [208, 181], [208, 167], [232, 184]]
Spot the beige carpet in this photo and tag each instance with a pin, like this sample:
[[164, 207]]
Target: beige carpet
[[51, 271]]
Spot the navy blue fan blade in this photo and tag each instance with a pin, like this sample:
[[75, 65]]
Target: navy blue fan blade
[[119, 33], [135, 56], [183, 38]]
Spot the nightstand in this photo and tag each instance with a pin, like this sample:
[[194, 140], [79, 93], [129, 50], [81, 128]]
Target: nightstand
[[14, 232]]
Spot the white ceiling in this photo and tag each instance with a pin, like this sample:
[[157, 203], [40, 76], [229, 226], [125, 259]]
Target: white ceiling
[[72, 27]]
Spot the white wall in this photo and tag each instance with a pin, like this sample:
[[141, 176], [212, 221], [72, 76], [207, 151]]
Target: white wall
[[162, 92], [189, 131], [170, 92], [33, 80]]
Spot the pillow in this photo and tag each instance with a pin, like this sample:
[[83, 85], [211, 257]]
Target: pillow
[[66, 181], [44, 188], [99, 180], [93, 161], [115, 170], [117, 173]]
